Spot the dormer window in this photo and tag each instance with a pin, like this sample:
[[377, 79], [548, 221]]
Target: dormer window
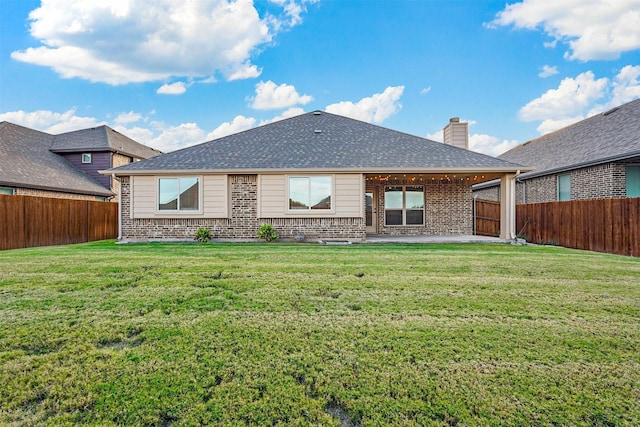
[[86, 157]]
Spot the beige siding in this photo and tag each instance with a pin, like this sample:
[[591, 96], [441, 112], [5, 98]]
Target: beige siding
[[348, 197], [213, 196]]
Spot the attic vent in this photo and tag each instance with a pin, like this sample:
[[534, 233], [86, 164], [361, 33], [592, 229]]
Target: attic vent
[[317, 113], [317, 131], [613, 110]]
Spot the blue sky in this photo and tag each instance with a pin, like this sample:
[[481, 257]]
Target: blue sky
[[172, 73]]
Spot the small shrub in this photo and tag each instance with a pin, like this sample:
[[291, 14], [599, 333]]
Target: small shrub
[[203, 235], [267, 232]]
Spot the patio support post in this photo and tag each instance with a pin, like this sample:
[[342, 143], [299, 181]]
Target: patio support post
[[508, 206]]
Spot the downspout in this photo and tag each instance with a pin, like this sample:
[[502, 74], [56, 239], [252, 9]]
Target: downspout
[[513, 206], [475, 198]]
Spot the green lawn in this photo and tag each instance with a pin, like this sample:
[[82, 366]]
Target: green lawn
[[297, 334]]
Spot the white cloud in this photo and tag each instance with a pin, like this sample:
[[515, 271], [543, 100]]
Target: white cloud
[[242, 71], [49, 121], [373, 109], [626, 85], [425, 90], [292, 11], [593, 29], [547, 71], [124, 118], [291, 112], [488, 144], [271, 97], [436, 136], [177, 88], [578, 98], [149, 40], [238, 124], [570, 98]]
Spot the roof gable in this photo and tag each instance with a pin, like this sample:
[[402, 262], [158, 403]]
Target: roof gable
[[612, 135], [101, 138], [26, 161], [317, 140]]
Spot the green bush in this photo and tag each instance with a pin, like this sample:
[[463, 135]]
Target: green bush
[[267, 232], [203, 235]]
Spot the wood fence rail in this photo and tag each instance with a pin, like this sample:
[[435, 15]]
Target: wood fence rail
[[603, 225], [27, 221]]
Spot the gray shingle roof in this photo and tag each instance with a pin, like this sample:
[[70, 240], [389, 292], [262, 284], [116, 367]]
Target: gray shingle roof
[[101, 138], [318, 140], [26, 161], [612, 135]]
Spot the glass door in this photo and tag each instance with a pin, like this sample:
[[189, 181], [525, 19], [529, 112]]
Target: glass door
[[371, 211]]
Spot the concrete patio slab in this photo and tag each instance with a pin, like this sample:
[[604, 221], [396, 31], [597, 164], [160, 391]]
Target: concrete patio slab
[[433, 239]]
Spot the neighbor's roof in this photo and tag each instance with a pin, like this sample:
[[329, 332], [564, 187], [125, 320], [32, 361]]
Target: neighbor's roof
[[101, 138], [26, 161], [319, 141], [609, 136]]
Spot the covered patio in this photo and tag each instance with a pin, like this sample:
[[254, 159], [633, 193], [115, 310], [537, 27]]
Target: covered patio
[[431, 206]]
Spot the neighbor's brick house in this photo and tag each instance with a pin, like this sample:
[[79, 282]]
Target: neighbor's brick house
[[596, 158], [317, 175], [35, 163]]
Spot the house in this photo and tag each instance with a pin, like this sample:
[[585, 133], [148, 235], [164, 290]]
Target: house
[[66, 165], [317, 175], [596, 158]]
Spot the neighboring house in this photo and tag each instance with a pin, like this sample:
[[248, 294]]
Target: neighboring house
[[596, 158], [317, 175], [65, 165]]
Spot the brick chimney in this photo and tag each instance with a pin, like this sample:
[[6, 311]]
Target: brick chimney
[[456, 133]]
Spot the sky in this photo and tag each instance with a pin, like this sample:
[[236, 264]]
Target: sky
[[174, 73]]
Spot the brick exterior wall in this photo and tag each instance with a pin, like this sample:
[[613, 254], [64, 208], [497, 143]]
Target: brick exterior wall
[[53, 194], [448, 211], [538, 190], [603, 181], [489, 193]]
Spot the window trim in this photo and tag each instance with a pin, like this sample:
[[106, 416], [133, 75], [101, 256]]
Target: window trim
[[86, 158], [179, 211], [558, 198], [309, 211], [404, 206]]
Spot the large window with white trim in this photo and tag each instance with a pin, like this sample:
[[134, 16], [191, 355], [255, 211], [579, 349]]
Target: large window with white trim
[[179, 194], [310, 192], [404, 205]]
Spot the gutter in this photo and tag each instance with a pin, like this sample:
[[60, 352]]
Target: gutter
[[536, 174]]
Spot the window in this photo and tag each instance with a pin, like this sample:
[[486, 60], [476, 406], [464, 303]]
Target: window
[[310, 192], [404, 205], [633, 181], [178, 194], [86, 157], [6, 190], [564, 187]]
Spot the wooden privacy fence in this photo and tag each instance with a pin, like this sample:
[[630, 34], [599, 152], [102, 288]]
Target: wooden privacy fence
[[487, 218], [27, 221], [603, 225]]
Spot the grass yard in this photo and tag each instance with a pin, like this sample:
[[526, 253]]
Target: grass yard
[[295, 334]]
